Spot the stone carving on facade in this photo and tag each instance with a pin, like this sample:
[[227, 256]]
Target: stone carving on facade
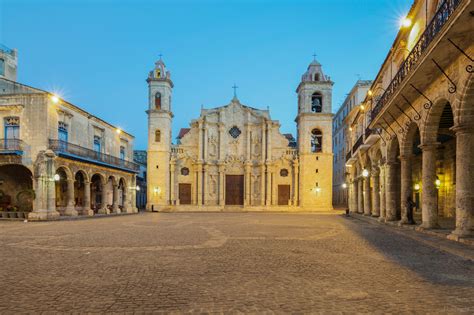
[[213, 145]]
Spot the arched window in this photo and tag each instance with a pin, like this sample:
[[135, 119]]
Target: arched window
[[316, 77], [316, 103], [157, 135], [2, 67], [316, 141], [158, 100]]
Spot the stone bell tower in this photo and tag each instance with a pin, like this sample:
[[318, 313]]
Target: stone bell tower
[[314, 124], [159, 137]]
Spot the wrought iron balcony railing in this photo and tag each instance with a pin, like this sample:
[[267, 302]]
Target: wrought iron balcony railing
[[368, 132], [443, 14], [11, 146], [348, 155], [59, 146], [358, 143]]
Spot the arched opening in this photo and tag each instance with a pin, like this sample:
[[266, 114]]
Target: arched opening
[[61, 178], [316, 141], [157, 135], [317, 102], [96, 192], [393, 202], [2, 67], [412, 153], [79, 187], [158, 100], [122, 194], [109, 189], [446, 169], [16, 188]]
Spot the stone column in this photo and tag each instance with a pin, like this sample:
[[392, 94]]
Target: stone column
[[367, 196], [360, 198], [103, 207], [86, 210], [464, 180], [382, 193], [297, 184], [199, 183], [172, 182], [247, 177], [115, 207], [391, 191], [70, 208], [406, 184], [354, 196], [429, 196], [262, 184], [200, 142], [132, 202], [376, 192], [268, 186], [221, 184], [205, 175]]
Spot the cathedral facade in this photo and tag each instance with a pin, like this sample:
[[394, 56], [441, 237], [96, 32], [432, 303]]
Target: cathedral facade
[[234, 156]]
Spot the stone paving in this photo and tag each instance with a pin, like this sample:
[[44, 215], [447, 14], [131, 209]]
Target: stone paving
[[227, 263]]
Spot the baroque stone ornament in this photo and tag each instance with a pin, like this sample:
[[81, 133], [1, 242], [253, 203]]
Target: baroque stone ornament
[[235, 132]]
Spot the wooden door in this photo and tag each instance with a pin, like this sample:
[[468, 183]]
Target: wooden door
[[185, 194], [234, 189], [283, 195]]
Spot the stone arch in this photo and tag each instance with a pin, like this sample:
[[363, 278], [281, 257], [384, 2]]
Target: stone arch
[[123, 193], [97, 185], [393, 149], [80, 180], [16, 188], [429, 128], [464, 113], [62, 176], [409, 139], [110, 183], [393, 182]]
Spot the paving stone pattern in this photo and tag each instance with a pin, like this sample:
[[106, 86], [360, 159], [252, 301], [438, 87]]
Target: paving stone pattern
[[226, 263]]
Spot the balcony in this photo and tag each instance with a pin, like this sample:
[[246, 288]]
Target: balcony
[[371, 136], [77, 152], [348, 155], [11, 146], [358, 143], [418, 52]]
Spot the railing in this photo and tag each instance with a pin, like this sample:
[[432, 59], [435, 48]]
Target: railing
[[11, 145], [292, 152], [348, 155], [358, 143], [439, 20], [177, 150], [73, 149], [368, 132]]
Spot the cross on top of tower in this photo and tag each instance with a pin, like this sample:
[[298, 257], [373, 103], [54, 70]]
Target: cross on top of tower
[[235, 87], [314, 56], [160, 55]]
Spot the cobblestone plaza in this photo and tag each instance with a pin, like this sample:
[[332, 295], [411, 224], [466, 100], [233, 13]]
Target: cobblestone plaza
[[230, 262]]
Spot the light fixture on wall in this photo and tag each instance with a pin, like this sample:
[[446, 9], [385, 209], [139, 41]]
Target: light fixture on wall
[[365, 173], [118, 131], [56, 177], [405, 22], [137, 188], [157, 190], [437, 182], [417, 187], [344, 185], [55, 98]]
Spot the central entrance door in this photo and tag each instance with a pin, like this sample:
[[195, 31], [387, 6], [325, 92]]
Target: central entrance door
[[184, 194], [283, 195], [234, 189]]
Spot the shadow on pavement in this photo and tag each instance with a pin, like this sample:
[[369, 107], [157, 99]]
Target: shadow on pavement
[[432, 264]]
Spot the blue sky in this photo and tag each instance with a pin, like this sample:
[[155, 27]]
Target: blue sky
[[97, 54]]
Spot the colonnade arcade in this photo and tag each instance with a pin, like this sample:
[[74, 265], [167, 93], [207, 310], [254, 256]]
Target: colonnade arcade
[[88, 193], [430, 161]]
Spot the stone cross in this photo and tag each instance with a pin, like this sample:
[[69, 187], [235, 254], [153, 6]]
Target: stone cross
[[235, 87]]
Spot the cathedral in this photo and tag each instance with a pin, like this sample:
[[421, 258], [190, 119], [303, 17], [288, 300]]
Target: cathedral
[[233, 157]]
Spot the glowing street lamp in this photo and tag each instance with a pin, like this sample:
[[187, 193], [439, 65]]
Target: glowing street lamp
[[137, 188], [417, 187], [57, 177], [118, 131], [365, 173], [437, 183], [344, 185]]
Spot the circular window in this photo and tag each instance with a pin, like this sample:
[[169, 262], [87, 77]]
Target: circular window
[[185, 171], [284, 172]]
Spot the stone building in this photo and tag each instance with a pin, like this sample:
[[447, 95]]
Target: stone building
[[139, 157], [339, 143], [235, 157], [414, 135], [55, 158]]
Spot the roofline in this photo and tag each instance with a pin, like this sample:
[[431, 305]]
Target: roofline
[[69, 104]]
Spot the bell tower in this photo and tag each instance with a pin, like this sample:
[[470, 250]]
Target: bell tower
[[314, 127], [159, 137]]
